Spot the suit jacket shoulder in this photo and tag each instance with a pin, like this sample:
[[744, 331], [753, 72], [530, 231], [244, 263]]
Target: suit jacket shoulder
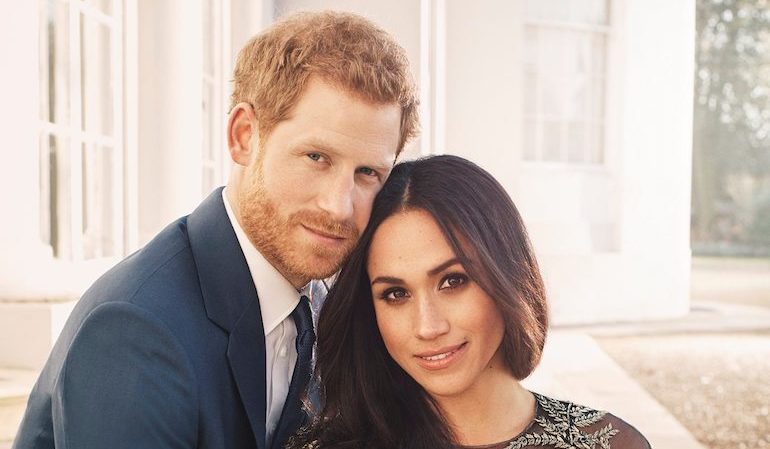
[[147, 357]]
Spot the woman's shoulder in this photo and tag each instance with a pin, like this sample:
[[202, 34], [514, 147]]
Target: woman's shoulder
[[565, 424]]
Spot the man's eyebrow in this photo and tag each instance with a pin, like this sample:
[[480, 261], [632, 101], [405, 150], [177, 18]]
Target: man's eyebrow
[[319, 145]]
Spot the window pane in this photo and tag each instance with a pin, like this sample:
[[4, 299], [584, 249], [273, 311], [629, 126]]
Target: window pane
[[99, 213], [208, 122], [529, 91], [530, 48], [593, 12], [209, 180], [529, 151], [54, 188], [598, 53], [554, 50], [104, 6], [578, 104], [546, 10], [578, 52], [596, 99], [576, 142], [96, 77], [563, 76], [595, 144], [577, 11], [209, 37], [54, 62], [553, 91], [552, 141], [55, 193]]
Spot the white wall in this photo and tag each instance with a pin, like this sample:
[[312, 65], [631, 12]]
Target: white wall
[[613, 241], [169, 112]]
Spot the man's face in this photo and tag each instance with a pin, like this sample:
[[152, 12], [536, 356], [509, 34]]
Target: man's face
[[307, 194]]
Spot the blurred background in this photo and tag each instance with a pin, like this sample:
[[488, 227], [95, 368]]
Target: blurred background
[[633, 135]]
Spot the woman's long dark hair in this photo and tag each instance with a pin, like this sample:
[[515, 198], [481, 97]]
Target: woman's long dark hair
[[369, 401]]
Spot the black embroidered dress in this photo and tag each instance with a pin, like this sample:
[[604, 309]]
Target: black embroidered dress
[[564, 425]]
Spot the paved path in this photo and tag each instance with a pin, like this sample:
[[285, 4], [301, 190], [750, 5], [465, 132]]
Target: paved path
[[576, 369]]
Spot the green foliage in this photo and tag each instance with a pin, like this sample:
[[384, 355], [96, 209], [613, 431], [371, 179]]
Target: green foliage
[[731, 134]]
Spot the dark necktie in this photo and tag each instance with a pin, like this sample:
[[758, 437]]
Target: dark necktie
[[292, 415], [303, 319]]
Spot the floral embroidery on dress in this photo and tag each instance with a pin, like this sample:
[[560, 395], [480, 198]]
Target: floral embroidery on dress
[[561, 427]]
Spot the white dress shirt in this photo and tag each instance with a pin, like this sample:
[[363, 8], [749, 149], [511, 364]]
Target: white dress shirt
[[277, 299]]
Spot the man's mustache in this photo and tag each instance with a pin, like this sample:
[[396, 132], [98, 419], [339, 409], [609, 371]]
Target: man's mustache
[[321, 221]]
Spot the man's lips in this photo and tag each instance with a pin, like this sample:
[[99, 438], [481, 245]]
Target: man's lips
[[440, 358], [324, 233]]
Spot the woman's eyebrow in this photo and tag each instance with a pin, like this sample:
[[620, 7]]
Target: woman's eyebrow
[[443, 266], [387, 280], [432, 272]]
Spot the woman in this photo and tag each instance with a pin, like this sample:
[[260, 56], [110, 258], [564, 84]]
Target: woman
[[435, 319]]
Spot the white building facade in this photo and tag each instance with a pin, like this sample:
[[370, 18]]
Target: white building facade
[[114, 127]]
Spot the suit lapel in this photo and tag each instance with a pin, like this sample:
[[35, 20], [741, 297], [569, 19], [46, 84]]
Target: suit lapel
[[231, 302], [246, 354]]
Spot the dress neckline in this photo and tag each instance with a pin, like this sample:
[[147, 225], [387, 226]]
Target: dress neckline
[[507, 441]]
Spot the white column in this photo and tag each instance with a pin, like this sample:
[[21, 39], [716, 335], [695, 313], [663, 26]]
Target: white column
[[657, 153], [169, 112], [247, 18]]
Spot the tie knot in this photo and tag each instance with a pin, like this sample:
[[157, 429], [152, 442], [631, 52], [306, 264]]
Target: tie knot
[[303, 317]]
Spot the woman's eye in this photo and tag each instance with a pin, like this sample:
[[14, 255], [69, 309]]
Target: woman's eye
[[394, 294], [453, 281]]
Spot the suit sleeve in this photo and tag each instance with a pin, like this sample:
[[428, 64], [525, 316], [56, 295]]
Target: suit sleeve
[[126, 382]]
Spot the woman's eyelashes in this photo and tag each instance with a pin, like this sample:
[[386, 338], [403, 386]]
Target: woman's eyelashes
[[395, 294], [453, 280], [447, 284]]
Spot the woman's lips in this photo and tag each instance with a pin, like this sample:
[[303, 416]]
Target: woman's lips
[[440, 358]]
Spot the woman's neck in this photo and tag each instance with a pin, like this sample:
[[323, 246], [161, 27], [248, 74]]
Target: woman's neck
[[493, 411]]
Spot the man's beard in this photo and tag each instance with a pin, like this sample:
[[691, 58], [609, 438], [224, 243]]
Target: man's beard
[[278, 239]]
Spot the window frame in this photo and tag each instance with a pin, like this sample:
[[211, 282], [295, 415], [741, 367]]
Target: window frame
[[63, 230], [608, 32]]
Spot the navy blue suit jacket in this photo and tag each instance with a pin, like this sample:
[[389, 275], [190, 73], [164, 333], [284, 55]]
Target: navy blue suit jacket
[[166, 350]]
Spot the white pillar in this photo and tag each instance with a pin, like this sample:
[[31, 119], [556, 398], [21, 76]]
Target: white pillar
[[657, 152], [247, 18], [170, 112]]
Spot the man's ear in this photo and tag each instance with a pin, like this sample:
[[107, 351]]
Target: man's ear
[[241, 128]]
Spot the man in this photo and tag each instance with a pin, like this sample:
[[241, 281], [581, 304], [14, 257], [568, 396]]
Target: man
[[202, 339]]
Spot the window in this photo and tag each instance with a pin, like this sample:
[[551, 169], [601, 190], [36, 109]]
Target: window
[[81, 151], [214, 109], [565, 53]]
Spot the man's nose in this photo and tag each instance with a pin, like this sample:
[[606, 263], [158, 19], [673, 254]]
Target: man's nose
[[431, 321], [337, 196]]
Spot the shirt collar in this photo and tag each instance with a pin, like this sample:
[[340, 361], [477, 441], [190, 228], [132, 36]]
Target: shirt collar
[[277, 297]]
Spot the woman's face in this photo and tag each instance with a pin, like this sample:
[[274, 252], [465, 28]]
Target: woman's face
[[437, 323]]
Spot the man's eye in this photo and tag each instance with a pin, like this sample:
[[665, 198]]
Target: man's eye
[[367, 171], [314, 156]]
